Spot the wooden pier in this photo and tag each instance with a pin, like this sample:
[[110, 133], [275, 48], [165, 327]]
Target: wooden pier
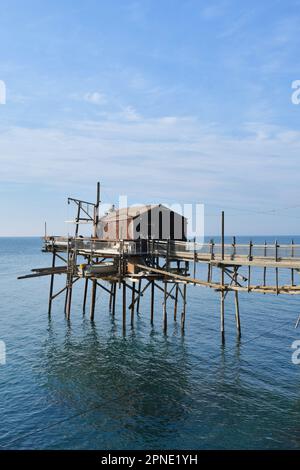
[[130, 267]]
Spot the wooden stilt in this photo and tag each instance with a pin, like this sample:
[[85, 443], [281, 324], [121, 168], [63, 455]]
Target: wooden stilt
[[249, 278], [237, 313], [152, 302], [51, 285], [276, 270], [165, 315], [111, 296], [86, 284], [195, 259], [183, 309], [93, 299], [114, 299], [223, 315], [222, 307], [265, 269], [69, 299], [237, 309], [176, 302], [67, 295], [292, 271], [69, 289], [208, 272], [222, 281], [132, 304], [69, 284], [124, 307], [233, 248], [139, 296]]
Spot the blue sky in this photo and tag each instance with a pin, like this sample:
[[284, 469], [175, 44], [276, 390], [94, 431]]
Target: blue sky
[[165, 101]]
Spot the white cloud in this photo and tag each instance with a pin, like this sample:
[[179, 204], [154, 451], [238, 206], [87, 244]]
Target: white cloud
[[177, 155], [169, 159], [129, 113], [95, 98]]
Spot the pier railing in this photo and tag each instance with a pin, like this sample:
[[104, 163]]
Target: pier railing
[[173, 249]]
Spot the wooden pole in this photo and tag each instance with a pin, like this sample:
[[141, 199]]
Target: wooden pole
[[208, 272], [93, 299], [114, 299], [233, 248], [77, 219], [67, 278], [152, 302], [276, 269], [249, 267], [70, 272], [132, 304], [95, 223], [165, 315], [85, 295], [176, 302], [237, 308], [69, 296], [111, 296], [222, 281], [183, 309], [139, 296], [292, 271], [223, 235], [237, 312], [222, 310], [195, 258], [66, 296], [51, 285], [96, 210], [265, 269], [124, 306]]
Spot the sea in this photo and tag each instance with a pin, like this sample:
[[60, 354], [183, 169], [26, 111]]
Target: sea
[[81, 385]]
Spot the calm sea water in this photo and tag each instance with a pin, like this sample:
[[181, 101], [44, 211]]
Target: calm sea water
[[79, 385]]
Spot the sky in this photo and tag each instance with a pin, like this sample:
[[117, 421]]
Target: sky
[[165, 101]]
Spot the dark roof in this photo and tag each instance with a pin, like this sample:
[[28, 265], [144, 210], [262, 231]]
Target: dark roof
[[129, 212]]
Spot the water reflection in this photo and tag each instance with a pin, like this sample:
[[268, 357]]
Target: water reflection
[[140, 377]]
